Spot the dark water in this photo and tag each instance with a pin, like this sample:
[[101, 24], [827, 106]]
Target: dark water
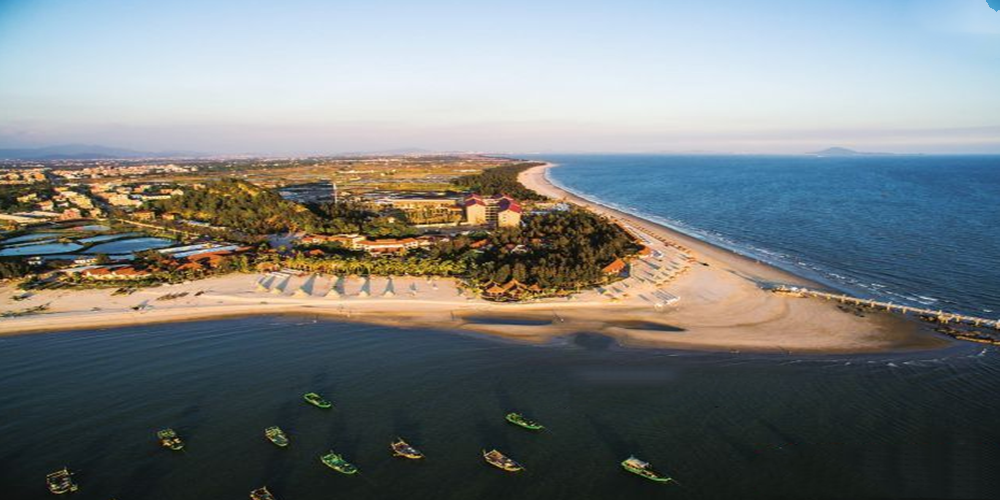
[[921, 230], [726, 426]]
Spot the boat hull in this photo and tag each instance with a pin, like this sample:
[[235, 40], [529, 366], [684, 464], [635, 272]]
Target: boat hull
[[339, 465], [317, 401], [646, 474], [523, 423]]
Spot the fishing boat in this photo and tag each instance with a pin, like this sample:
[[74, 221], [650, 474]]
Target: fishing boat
[[169, 439], [644, 469], [60, 482], [337, 463], [519, 420], [501, 461], [276, 436], [403, 449], [317, 400], [261, 494]]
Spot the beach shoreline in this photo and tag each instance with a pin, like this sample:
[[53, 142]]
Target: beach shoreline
[[537, 179], [689, 294]]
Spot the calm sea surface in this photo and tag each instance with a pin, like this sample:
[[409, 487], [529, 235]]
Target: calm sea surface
[[916, 425], [921, 230]]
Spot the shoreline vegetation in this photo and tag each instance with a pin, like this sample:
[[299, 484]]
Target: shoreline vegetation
[[681, 293]]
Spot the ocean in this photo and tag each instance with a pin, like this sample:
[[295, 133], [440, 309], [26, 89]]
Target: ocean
[[915, 230], [898, 425]]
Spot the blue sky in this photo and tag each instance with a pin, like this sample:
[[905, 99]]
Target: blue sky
[[297, 76]]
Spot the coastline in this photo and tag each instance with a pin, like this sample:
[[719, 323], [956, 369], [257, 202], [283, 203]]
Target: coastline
[[538, 180], [716, 302]]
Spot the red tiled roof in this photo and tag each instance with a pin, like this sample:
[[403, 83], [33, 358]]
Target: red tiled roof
[[615, 267], [509, 204], [130, 271], [190, 266]]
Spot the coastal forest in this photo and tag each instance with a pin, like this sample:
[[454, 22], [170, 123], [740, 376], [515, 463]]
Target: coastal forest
[[254, 210], [561, 250], [242, 206], [499, 180]]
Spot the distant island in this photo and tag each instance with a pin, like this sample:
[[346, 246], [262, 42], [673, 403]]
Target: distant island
[[838, 151]]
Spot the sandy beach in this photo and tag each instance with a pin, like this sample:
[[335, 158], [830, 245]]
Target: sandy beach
[[687, 294]]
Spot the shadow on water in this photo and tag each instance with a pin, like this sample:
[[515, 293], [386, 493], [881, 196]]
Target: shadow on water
[[341, 439], [406, 427], [593, 341], [644, 325], [149, 474], [741, 448], [491, 433], [504, 398], [505, 320], [286, 417], [318, 384], [784, 436], [610, 438], [188, 421]]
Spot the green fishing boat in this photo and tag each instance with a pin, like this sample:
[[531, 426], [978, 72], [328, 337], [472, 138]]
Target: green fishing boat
[[170, 439], [337, 463], [317, 400], [644, 469], [261, 494], [61, 482], [501, 461], [519, 420], [276, 436]]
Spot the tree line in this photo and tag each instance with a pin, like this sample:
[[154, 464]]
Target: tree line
[[499, 180], [558, 251]]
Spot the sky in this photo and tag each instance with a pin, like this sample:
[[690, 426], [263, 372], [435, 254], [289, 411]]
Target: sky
[[308, 77]]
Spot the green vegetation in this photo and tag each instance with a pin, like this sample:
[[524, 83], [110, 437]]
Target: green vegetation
[[363, 264], [500, 180], [255, 211], [243, 206], [13, 268], [556, 251], [10, 194]]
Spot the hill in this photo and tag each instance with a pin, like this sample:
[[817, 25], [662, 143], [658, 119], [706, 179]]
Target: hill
[[838, 151]]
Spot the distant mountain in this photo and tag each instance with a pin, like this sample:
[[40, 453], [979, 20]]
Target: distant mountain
[[86, 152], [837, 151], [392, 152]]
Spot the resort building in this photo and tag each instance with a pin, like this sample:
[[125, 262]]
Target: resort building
[[496, 211], [374, 247], [512, 290], [349, 241], [420, 208], [617, 267], [390, 246]]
